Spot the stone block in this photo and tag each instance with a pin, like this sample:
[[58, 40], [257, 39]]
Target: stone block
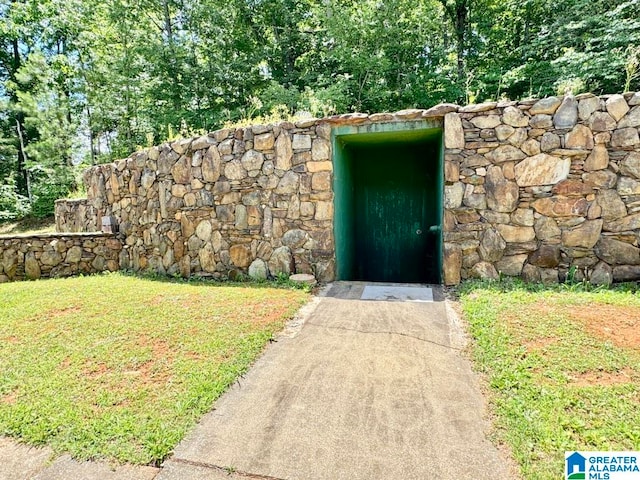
[[486, 121], [485, 271], [452, 263], [301, 142], [632, 119], [453, 195], [602, 274], [566, 115], [492, 246], [617, 106], [580, 137], [453, 131], [586, 235], [511, 265], [542, 169], [560, 206], [281, 262], [625, 137], [615, 252], [515, 234], [506, 153], [546, 106], [264, 141], [630, 166], [258, 269], [501, 194], [547, 256]]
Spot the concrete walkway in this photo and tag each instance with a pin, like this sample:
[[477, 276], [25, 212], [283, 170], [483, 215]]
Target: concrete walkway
[[364, 389]]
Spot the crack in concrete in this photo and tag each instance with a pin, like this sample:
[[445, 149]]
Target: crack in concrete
[[432, 342], [226, 470]]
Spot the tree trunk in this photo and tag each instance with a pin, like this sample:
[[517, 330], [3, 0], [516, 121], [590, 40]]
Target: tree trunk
[[458, 13], [461, 23], [91, 137], [22, 182]]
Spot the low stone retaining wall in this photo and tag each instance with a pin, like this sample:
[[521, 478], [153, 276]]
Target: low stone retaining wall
[[57, 255]]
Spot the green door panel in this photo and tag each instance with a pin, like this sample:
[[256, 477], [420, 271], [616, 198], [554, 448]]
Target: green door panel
[[389, 209]]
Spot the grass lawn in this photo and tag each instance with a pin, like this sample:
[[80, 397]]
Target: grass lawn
[[562, 366], [120, 367]]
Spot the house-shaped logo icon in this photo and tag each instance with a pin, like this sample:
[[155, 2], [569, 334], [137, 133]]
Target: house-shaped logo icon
[[576, 467]]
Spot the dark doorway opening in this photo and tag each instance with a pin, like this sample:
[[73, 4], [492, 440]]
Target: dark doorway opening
[[388, 199]]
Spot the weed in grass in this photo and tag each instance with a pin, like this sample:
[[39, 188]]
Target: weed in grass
[[121, 367]]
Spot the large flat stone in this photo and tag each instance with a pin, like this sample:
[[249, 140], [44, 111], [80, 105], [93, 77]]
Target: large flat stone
[[513, 234], [542, 169], [615, 252], [561, 206], [586, 235]]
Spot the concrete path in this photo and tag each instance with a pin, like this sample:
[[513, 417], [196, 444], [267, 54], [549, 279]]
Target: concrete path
[[366, 390], [359, 389]]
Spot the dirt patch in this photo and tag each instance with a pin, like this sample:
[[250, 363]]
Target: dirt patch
[[9, 399], [618, 324], [600, 378], [158, 370], [95, 370], [540, 343]]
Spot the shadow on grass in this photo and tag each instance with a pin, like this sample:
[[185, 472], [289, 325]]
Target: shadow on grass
[[28, 225], [282, 282]]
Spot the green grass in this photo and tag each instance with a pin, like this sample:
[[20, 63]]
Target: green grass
[[120, 367], [555, 383]]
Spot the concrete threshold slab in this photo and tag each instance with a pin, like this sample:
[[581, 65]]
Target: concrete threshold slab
[[397, 293], [365, 390]]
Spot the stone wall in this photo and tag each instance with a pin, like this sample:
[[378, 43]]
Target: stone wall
[[254, 200], [57, 255], [77, 215], [540, 188], [533, 188]]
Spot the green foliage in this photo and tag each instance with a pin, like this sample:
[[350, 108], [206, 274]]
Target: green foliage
[[49, 185], [91, 81], [12, 204]]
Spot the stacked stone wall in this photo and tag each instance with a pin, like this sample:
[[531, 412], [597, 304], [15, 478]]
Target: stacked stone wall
[[539, 189], [254, 200], [77, 215], [57, 255], [543, 188]]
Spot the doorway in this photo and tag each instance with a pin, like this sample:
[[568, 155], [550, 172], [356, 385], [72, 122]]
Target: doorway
[[388, 202]]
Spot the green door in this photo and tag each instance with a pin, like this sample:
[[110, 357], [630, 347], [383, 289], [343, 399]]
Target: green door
[[388, 201], [396, 205]]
